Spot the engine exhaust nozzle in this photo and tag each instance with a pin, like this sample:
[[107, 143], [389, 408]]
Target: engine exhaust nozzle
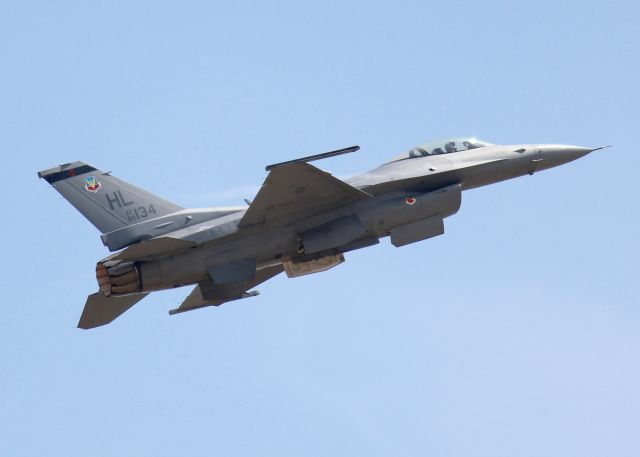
[[118, 278]]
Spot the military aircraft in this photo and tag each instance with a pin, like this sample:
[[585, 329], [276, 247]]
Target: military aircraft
[[302, 220]]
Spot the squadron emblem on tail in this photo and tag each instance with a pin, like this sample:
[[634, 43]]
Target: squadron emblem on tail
[[91, 184]]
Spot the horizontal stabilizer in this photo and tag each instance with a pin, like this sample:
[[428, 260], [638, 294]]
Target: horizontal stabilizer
[[100, 310], [207, 293], [196, 301]]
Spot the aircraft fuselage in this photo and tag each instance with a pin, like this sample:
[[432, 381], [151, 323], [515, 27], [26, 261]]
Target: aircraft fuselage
[[302, 220], [394, 186]]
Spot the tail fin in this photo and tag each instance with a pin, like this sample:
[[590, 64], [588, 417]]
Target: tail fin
[[106, 201]]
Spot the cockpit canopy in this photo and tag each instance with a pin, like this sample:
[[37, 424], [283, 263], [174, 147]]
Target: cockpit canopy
[[445, 146]]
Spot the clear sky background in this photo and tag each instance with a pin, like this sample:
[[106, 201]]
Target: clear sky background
[[514, 334]]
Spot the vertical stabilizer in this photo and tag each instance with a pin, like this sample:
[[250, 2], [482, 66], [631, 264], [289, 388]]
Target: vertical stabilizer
[[108, 202]]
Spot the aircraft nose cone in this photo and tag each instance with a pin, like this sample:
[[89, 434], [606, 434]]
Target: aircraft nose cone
[[575, 152], [558, 154]]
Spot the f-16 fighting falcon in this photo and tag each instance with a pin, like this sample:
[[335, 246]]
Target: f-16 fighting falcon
[[301, 221]]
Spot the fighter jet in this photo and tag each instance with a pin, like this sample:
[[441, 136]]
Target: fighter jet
[[302, 221]]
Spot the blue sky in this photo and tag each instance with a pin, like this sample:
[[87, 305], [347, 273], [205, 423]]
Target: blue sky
[[516, 333]]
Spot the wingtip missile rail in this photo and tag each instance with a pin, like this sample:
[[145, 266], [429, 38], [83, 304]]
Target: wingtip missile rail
[[311, 158]]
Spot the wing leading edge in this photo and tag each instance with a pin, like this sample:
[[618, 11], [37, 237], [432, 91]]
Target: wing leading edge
[[296, 191]]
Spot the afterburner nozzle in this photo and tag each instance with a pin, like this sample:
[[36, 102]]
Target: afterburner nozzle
[[118, 278]]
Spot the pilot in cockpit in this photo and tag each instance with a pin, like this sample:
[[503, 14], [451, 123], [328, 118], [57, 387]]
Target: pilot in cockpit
[[446, 146]]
